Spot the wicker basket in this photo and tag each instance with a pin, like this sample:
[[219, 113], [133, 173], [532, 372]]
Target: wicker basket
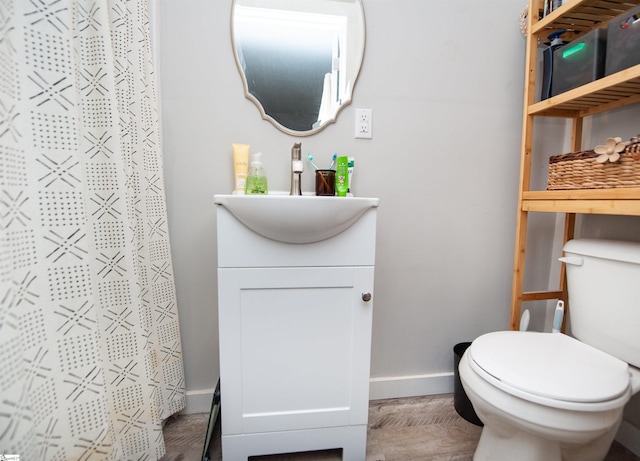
[[579, 170]]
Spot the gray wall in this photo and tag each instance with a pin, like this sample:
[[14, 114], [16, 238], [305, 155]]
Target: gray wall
[[444, 79]]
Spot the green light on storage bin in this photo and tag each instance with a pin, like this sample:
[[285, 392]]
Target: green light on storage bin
[[571, 50]]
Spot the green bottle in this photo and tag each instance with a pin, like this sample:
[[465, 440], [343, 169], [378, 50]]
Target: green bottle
[[256, 182], [342, 176]]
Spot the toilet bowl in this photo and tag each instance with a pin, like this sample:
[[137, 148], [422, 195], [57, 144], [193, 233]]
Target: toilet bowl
[[553, 397], [532, 409]]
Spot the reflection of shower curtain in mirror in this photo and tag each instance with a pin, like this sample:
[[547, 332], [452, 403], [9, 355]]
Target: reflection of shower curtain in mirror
[[90, 354], [326, 104]]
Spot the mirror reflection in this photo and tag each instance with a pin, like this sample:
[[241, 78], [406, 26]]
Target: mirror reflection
[[299, 60]]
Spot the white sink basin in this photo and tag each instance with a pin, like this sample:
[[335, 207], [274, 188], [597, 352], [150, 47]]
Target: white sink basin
[[296, 219]]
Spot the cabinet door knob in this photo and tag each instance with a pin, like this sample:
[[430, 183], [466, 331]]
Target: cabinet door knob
[[366, 296]]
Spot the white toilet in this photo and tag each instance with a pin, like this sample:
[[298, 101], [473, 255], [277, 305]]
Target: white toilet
[[545, 396]]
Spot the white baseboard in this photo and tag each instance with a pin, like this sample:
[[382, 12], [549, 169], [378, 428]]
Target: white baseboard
[[198, 401], [629, 436], [391, 387]]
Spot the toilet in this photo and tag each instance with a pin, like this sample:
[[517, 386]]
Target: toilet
[[550, 396]]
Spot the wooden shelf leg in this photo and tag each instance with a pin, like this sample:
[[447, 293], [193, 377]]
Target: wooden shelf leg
[[518, 269], [569, 230]]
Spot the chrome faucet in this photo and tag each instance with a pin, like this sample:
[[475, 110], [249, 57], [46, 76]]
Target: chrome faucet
[[296, 169]]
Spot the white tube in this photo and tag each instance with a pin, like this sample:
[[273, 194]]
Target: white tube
[[351, 163], [240, 166]]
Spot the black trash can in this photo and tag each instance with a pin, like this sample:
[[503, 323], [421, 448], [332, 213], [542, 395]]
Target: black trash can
[[461, 402]]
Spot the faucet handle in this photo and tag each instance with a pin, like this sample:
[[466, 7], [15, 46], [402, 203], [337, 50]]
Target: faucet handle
[[296, 151]]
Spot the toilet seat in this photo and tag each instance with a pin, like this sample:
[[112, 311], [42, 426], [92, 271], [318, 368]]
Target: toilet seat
[[551, 369]]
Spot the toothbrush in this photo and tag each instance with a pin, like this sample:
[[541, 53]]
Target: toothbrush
[[333, 161], [310, 157]]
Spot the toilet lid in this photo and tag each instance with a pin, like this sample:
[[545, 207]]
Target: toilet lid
[[553, 366]]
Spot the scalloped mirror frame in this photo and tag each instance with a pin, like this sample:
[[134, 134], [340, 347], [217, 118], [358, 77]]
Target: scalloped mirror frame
[[275, 122]]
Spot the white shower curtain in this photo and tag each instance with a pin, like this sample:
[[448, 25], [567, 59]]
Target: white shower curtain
[[90, 353]]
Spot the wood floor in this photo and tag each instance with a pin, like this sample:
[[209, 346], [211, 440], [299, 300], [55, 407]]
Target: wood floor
[[410, 429]]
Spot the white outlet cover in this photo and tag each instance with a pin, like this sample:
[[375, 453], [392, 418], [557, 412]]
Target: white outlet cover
[[364, 124]]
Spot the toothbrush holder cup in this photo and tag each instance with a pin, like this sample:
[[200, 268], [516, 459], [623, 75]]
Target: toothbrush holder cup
[[326, 182]]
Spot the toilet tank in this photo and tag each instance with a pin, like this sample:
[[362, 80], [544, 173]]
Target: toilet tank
[[603, 281]]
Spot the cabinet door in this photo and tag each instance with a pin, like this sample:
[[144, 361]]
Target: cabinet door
[[295, 347]]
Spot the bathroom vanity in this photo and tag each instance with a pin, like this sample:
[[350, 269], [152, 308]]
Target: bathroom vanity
[[295, 284]]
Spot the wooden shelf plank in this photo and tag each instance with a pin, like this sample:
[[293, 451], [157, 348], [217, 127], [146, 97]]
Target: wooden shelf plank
[[541, 295], [584, 194], [610, 92], [605, 207], [622, 201], [582, 15]]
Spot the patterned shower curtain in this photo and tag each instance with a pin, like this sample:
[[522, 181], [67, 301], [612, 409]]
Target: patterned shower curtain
[[90, 353]]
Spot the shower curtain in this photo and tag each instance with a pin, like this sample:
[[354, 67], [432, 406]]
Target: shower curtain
[[90, 353]]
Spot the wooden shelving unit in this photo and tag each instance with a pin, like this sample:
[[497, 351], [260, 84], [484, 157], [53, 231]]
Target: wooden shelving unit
[[611, 92]]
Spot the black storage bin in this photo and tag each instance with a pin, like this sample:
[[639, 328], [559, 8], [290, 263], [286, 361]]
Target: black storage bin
[[461, 402], [623, 42], [579, 62]]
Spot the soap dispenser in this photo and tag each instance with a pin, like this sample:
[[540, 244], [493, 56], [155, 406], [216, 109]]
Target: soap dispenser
[[256, 182]]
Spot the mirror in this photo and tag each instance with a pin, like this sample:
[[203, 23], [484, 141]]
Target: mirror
[[299, 60]]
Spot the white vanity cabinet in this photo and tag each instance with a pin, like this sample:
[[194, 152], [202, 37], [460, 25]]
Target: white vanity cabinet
[[295, 339]]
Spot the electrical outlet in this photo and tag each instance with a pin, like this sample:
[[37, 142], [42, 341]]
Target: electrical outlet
[[364, 123]]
